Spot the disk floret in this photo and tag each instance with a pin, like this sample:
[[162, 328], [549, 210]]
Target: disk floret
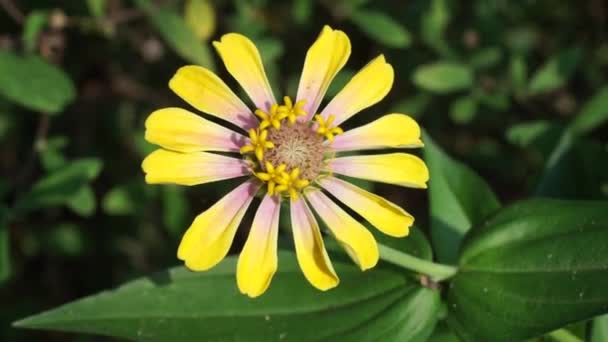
[[289, 155]]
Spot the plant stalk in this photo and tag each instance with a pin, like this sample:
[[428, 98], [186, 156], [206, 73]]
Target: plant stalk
[[437, 272]]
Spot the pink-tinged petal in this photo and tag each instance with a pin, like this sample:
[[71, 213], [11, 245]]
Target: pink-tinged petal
[[394, 168], [258, 260], [210, 236], [389, 131], [324, 59], [310, 249], [357, 241], [365, 89], [180, 130], [163, 166], [203, 90], [382, 214], [244, 63]]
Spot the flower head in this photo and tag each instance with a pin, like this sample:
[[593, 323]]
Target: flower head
[[291, 154]]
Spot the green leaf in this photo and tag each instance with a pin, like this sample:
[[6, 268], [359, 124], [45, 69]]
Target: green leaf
[[60, 186], [532, 268], [5, 263], [443, 77], [459, 199], [599, 329], [65, 239], [178, 35], [200, 17], [555, 72], [414, 105], [118, 201], [179, 305], [486, 58], [463, 110], [519, 73], [32, 82], [175, 209], [575, 169], [83, 202], [34, 24], [339, 82], [593, 114], [97, 7], [382, 28], [526, 133], [434, 23], [302, 10]]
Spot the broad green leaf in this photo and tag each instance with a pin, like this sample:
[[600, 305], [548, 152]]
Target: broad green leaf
[[178, 35], [532, 268], [459, 199], [97, 7], [433, 25], [175, 209], [599, 329], [555, 72], [463, 110], [83, 202], [34, 24], [51, 155], [200, 17], [33, 83], [443, 77], [415, 243], [5, 263], [382, 28], [593, 114], [178, 305], [486, 58], [60, 186]]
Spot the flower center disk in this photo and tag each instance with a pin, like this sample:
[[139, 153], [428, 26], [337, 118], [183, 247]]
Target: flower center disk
[[296, 145]]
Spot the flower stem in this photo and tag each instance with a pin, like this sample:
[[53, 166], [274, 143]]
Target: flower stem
[[437, 272]]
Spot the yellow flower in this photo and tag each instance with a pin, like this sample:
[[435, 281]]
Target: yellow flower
[[297, 162]]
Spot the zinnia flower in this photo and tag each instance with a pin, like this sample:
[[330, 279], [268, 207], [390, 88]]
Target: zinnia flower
[[290, 153]]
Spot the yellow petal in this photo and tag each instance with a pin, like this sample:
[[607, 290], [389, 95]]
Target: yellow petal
[[365, 89], [163, 166], [324, 59], [258, 260], [203, 90], [394, 168], [210, 236], [389, 131], [310, 250], [358, 242], [244, 63], [180, 130], [382, 214]]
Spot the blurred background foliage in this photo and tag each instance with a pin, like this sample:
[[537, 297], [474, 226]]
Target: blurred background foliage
[[515, 89]]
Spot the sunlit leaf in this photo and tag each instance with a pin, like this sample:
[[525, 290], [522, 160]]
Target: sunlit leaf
[[443, 77], [382, 28], [599, 329], [97, 7], [463, 110], [34, 24], [179, 305], [593, 114], [178, 35], [555, 72], [530, 269], [83, 202], [486, 58], [34, 83]]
